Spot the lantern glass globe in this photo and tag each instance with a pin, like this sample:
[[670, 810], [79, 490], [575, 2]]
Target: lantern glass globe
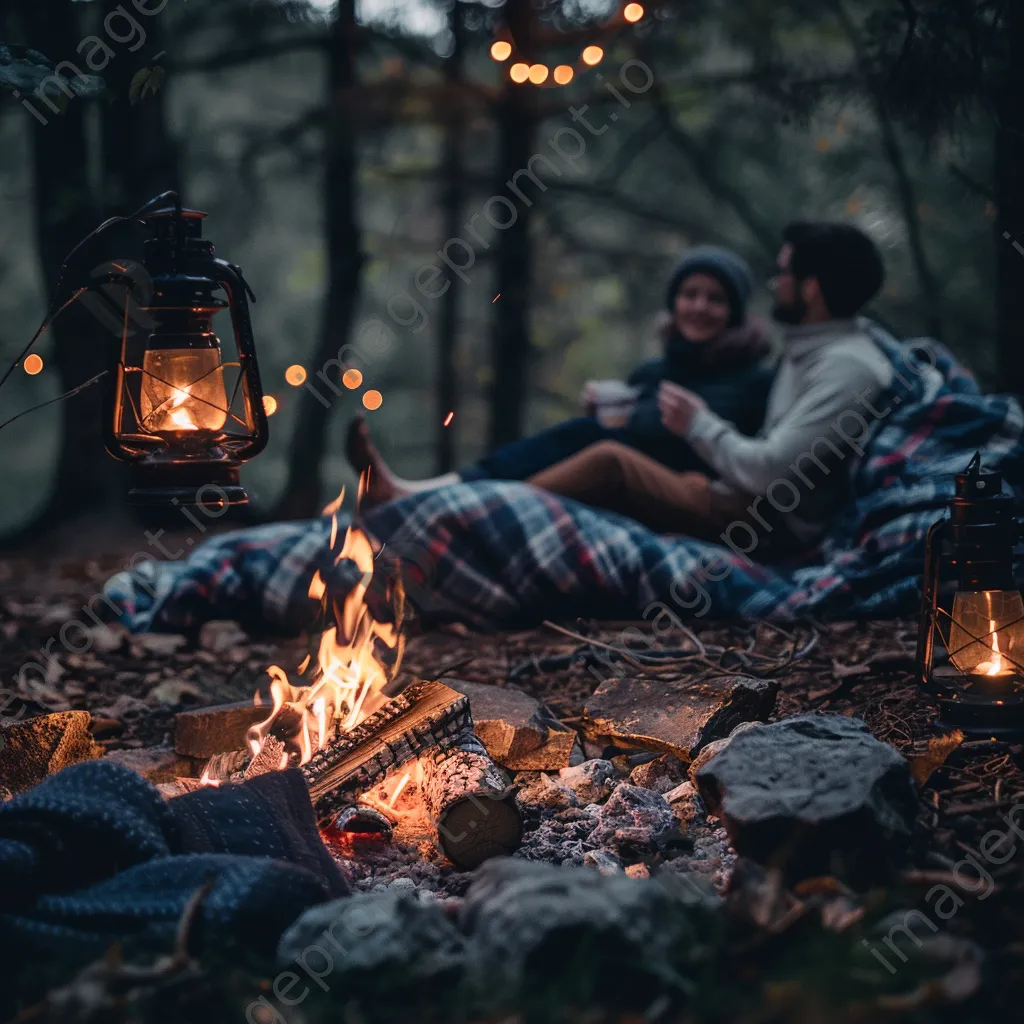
[[986, 632]]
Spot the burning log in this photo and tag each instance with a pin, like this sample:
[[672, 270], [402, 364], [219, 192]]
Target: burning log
[[468, 797], [272, 757], [37, 747], [204, 732], [423, 716]]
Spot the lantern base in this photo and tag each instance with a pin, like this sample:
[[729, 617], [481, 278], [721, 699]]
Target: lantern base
[[986, 713], [206, 485]]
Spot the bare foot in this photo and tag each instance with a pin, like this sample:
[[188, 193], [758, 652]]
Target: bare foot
[[362, 454]]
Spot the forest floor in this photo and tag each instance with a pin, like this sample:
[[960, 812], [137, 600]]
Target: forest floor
[[852, 668]]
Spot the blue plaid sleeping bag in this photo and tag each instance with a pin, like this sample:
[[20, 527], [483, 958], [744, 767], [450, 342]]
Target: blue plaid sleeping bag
[[494, 554]]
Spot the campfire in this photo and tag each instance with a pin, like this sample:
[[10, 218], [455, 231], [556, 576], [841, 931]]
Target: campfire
[[346, 683], [360, 747]]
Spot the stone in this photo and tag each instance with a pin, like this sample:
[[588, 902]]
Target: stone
[[606, 863], [547, 793], [36, 747], [203, 732], [634, 821], [540, 936], [812, 795], [388, 949], [661, 774], [714, 747], [592, 780], [685, 803], [519, 732], [675, 717]]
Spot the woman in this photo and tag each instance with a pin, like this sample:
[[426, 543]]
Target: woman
[[709, 346]]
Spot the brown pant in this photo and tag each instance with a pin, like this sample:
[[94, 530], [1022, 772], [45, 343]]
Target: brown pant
[[613, 476]]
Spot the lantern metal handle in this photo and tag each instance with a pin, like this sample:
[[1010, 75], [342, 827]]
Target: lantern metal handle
[[230, 278]]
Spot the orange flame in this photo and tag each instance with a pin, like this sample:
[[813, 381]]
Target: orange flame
[[996, 666], [347, 679], [179, 417]]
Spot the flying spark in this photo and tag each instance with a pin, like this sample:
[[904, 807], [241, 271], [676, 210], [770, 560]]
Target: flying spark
[[448, 419]]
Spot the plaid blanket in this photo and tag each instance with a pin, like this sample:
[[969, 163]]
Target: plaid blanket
[[494, 554]]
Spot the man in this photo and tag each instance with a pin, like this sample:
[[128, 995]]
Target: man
[[792, 477], [709, 346]]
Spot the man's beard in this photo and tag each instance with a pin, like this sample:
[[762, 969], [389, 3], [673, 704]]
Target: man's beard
[[791, 312]]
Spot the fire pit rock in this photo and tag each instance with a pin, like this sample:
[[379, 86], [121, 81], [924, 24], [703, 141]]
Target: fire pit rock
[[812, 794], [634, 820], [677, 717], [386, 949], [592, 780], [540, 936]]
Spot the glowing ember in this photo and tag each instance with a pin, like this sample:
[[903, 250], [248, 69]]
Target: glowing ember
[[996, 666], [346, 679]]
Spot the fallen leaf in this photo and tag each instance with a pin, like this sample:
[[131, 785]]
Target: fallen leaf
[[939, 748], [157, 643], [219, 635], [175, 691]]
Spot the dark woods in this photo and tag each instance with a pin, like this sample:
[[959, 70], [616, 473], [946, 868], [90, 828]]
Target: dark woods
[[478, 248]]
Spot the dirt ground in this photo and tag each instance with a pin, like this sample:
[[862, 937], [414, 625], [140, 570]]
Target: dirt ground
[[134, 686]]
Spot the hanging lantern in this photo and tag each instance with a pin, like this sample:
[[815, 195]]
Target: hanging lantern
[[182, 415], [978, 676]]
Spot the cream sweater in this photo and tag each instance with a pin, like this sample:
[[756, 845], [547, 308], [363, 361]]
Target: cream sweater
[[821, 405]]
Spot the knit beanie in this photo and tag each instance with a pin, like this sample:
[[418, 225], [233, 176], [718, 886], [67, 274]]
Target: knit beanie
[[730, 269]]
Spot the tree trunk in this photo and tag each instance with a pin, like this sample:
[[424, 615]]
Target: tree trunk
[[64, 212], [1009, 173], [510, 332], [452, 193], [140, 159], [308, 444]]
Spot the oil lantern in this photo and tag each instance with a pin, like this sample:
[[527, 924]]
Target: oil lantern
[[180, 411], [978, 675]]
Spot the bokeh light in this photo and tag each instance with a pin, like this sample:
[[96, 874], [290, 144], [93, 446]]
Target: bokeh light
[[633, 12], [372, 400], [295, 375], [593, 55], [352, 379], [539, 73], [269, 404], [501, 50], [33, 364], [563, 74], [519, 73]]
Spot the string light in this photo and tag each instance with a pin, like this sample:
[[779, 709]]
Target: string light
[[372, 400], [539, 74], [33, 364], [501, 50], [352, 379], [519, 73], [269, 404], [295, 375], [633, 12], [593, 55], [563, 74]]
